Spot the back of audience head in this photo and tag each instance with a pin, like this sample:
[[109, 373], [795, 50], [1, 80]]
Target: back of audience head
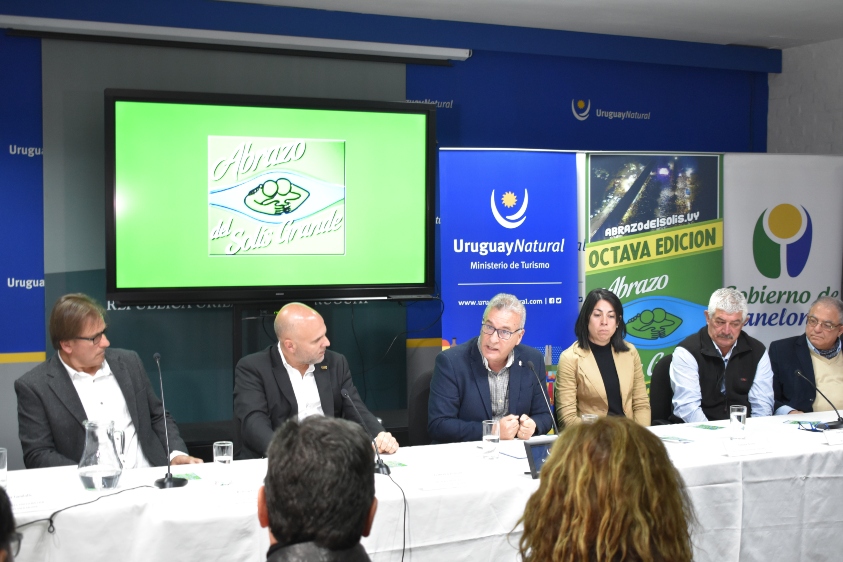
[[320, 483], [608, 492], [8, 537]]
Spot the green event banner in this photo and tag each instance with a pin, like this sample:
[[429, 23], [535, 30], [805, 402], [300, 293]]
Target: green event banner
[[655, 239]]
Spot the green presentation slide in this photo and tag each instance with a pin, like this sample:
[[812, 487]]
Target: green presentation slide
[[239, 196]]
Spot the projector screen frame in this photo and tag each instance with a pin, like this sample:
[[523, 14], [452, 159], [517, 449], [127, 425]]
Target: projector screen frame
[[261, 293]]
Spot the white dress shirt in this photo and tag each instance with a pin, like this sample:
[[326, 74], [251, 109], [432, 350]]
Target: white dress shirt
[[304, 387], [104, 402], [685, 382]]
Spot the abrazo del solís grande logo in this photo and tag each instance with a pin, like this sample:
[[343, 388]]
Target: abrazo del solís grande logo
[[782, 237]]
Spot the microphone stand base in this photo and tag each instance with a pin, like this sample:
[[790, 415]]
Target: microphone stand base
[[381, 468], [170, 482], [830, 425]]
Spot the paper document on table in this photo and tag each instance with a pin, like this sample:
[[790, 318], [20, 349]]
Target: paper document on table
[[672, 439], [747, 446], [26, 502]]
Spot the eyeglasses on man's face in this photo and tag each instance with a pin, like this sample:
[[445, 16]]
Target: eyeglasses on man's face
[[95, 339], [826, 325], [488, 329]]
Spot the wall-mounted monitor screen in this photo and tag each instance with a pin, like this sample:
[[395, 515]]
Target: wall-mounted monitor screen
[[228, 198]]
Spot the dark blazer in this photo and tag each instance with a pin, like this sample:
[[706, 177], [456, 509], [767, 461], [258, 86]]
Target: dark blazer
[[50, 414], [460, 398], [264, 397], [786, 356]]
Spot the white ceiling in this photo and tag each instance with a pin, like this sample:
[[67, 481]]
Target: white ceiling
[[764, 23]]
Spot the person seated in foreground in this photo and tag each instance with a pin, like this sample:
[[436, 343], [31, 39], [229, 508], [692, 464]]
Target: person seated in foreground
[[721, 366], [489, 378], [816, 354], [318, 496], [297, 377], [88, 380], [9, 537], [608, 492], [600, 373]]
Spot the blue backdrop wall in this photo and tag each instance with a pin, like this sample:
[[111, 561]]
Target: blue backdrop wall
[[522, 88]]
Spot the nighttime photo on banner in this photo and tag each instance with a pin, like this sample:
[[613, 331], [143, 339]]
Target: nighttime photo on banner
[[641, 192], [656, 241]]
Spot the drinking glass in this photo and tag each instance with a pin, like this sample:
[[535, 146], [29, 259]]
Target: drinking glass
[[223, 455], [491, 438], [4, 474], [737, 422], [589, 418]]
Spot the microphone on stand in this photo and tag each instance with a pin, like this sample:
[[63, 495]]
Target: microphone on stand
[[168, 481], [380, 466], [547, 403], [827, 425]]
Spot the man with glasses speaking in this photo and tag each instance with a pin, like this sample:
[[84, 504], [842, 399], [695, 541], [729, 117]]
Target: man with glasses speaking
[[489, 378], [85, 380], [816, 355]]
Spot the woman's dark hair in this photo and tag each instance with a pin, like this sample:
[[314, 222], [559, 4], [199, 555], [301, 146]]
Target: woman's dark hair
[[591, 300], [7, 521]]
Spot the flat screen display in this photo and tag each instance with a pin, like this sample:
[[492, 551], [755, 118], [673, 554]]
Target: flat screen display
[[233, 198]]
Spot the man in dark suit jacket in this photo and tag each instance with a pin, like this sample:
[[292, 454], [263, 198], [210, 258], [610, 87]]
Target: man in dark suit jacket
[[298, 377], [51, 412], [821, 343], [466, 377]]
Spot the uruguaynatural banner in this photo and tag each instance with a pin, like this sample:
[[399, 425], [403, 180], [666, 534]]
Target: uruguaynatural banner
[[784, 242], [655, 240], [509, 225], [22, 210]]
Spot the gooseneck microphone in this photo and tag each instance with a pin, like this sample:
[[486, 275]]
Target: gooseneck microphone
[[827, 425], [168, 481], [380, 466], [544, 395]]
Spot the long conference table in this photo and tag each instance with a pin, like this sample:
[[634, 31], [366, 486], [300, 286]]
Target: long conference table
[[783, 504]]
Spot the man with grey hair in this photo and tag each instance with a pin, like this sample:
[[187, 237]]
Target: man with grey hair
[[489, 378], [816, 355], [721, 366]]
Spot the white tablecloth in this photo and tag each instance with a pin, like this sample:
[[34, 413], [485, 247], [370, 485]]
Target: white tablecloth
[[781, 505]]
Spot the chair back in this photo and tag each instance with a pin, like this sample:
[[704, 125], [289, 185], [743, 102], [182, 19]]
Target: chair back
[[661, 394], [417, 410]]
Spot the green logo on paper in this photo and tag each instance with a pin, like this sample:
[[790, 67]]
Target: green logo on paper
[[653, 324]]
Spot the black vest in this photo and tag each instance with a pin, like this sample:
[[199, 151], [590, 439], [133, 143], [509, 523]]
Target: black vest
[[740, 373]]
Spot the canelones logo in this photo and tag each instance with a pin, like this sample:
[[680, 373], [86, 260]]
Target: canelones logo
[[782, 235], [580, 109], [509, 200]]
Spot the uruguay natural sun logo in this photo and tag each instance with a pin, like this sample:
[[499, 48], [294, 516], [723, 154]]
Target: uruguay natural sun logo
[[509, 200], [580, 109], [782, 236]]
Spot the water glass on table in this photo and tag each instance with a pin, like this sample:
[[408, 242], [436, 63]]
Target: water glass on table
[[4, 473], [737, 422], [223, 455], [491, 438]]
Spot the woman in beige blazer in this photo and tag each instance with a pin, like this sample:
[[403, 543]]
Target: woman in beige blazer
[[600, 373]]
